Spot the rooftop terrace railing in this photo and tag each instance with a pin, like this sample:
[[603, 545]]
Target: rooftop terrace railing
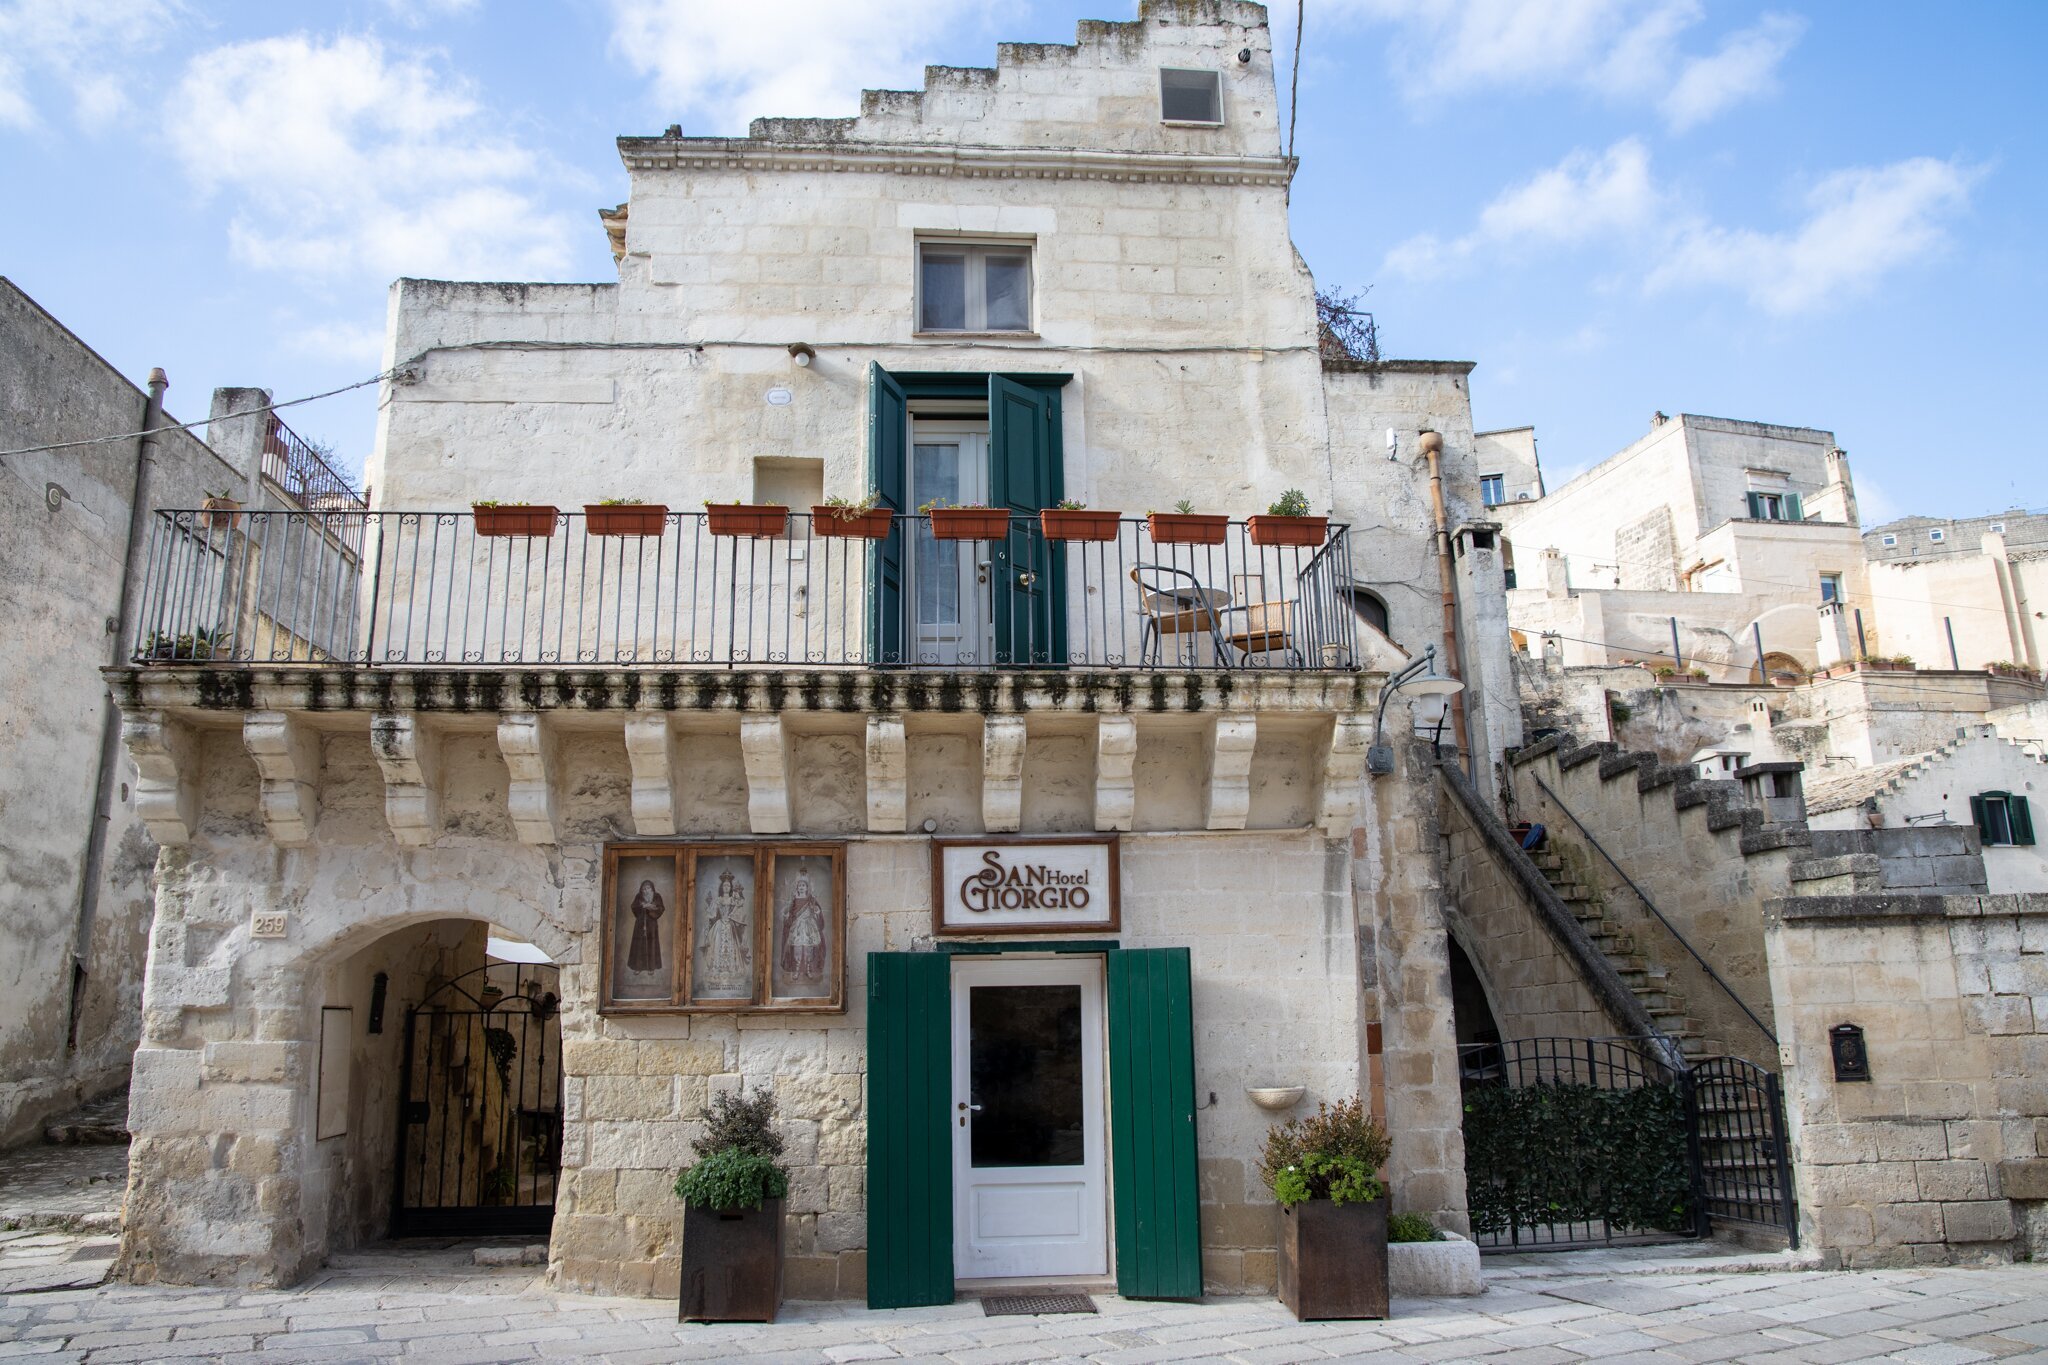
[[411, 589]]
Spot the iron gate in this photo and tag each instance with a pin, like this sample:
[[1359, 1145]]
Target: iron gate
[[480, 1106], [1576, 1142]]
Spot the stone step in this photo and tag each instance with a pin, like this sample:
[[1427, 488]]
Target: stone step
[[103, 1123]]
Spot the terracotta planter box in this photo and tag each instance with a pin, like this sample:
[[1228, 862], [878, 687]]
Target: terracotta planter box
[[746, 519], [523, 519], [625, 519], [1886, 666], [833, 523], [2017, 674], [1333, 1259], [970, 523], [732, 1264], [1187, 528], [1062, 523], [1302, 532]]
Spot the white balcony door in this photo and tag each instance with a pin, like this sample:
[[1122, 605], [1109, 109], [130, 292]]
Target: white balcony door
[[948, 586], [1029, 1190]]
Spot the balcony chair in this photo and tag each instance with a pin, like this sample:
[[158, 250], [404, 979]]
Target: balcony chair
[[1174, 602]]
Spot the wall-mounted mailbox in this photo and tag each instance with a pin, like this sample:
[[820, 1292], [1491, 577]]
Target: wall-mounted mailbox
[[1852, 1059]]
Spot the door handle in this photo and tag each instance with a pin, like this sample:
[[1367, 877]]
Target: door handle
[[969, 1108], [981, 572]]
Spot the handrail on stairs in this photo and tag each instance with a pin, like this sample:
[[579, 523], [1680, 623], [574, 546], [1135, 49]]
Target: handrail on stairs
[[1651, 906]]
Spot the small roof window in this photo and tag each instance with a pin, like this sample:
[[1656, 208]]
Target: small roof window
[[1190, 96]]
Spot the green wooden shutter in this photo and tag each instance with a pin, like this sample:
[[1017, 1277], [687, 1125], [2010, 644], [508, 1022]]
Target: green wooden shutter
[[2020, 818], [1152, 1125], [889, 477], [910, 1149], [1795, 510], [1756, 507], [1025, 477], [1983, 824]]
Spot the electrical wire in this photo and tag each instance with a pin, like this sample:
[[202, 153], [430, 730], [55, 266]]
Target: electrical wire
[[209, 421], [1918, 679], [1777, 583]]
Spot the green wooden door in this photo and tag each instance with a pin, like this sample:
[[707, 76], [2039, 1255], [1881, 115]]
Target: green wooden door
[[1152, 1125], [910, 1148], [888, 476], [1027, 588]]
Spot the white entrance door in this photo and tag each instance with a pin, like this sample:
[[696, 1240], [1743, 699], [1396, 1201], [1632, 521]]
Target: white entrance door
[[1029, 1192], [948, 578]]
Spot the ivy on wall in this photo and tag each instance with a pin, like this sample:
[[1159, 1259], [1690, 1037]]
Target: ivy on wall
[[1570, 1153]]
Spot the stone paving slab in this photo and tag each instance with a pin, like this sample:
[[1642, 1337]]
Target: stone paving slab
[[433, 1303]]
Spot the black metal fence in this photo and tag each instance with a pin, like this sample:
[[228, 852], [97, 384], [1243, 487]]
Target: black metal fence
[[1745, 1160], [433, 588]]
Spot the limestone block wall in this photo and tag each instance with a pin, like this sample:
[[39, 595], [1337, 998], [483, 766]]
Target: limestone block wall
[[1705, 859], [1922, 1163]]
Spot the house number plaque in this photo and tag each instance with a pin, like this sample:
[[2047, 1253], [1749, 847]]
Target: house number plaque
[[1023, 886]]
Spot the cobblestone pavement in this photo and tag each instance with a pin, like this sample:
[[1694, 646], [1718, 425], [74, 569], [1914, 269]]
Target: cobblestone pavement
[[436, 1306], [75, 1187]]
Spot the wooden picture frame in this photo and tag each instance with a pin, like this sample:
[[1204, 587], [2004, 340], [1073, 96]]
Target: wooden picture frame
[[1109, 922], [716, 921]]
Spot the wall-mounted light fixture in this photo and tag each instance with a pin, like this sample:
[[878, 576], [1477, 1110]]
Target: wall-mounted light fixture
[[1418, 679], [801, 353], [1244, 54]]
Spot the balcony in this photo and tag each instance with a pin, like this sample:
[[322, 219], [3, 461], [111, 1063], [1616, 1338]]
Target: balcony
[[354, 588]]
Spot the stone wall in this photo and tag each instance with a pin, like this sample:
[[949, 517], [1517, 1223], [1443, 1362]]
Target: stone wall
[[1923, 1163], [1922, 860]]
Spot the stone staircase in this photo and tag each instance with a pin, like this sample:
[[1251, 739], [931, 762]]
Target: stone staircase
[[75, 1179], [1646, 980]]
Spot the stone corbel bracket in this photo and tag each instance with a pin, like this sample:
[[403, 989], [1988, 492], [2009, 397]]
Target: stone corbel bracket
[[1343, 776], [409, 755], [1002, 774], [166, 756], [1230, 770], [764, 749], [1116, 754], [651, 748], [528, 745], [286, 753], [888, 775]]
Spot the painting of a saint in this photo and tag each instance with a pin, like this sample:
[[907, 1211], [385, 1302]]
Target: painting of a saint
[[806, 925], [643, 932], [647, 909], [724, 962], [803, 934]]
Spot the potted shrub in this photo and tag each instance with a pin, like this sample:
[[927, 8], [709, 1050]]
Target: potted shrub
[[494, 518], [967, 523], [746, 518], [732, 1214], [1887, 663], [845, 519], [218, 510], [2005, 668], [1073, 521], [164, 647], [1287, 522], [625, 517], [1185, 526], [1333, 1211]]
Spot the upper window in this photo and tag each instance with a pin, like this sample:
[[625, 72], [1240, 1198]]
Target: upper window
[[1190, 96], [1889, 540], [1490, 489], [1937, 536], [1830, 587], [2002, 818], [1775, 506], [969, 287]]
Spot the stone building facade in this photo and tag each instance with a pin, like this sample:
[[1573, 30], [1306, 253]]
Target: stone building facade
[[717, 779]]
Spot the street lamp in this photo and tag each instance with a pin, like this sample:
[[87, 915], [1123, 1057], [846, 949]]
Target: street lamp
[[1418, 679]]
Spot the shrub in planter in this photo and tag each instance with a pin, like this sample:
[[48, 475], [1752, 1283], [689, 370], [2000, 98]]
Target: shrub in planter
[[2005, 668], [1287, 522], [840, 518], [1333, 1211], [1185, 526], [746, 518], [513, 519], [732, 1214], [1411, 1227], [625, 517], [1074, 521], [967, 523]]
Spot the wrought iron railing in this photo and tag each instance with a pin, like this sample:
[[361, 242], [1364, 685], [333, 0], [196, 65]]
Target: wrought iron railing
[[430, 588], [290, 462]]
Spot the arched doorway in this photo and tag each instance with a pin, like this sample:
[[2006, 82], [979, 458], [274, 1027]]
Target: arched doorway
[[479, 1148]]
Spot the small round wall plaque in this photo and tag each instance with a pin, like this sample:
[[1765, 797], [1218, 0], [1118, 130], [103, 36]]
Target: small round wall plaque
[[779, 398]]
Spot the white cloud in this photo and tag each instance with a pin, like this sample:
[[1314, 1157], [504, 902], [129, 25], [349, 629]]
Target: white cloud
[[1582, 198], [344, 158], [730, 63], [1860, 225], [417, 13], [1628, 50], [354, 343], [77, 44]]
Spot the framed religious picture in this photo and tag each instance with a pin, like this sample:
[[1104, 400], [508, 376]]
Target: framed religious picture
[[643, 928], [725, 926], [807, 927]]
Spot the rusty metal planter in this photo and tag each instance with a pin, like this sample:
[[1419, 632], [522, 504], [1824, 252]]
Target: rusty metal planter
[[732, 1264], [1187, 528], [625, 519], [831, 522], [1305, 532], [1333, 1259], [515, 519], [745, 518]]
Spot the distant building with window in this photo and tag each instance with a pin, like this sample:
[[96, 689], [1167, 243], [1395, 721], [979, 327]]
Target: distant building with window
[[1966, 593]]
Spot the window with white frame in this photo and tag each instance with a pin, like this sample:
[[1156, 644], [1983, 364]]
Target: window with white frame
[[1830, 587], [1889, 541], [1490, 486], [2002, 818], [973, 286], [1190, 96], [1937, 536]]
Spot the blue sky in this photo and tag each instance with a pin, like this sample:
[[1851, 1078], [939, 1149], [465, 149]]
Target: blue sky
[[1815, 214]]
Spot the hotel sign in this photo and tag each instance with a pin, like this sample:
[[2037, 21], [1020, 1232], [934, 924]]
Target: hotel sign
[[1024, 886]]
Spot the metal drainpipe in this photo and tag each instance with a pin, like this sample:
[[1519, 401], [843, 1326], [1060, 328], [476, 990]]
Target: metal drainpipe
[[1433, 449], [110, 714]]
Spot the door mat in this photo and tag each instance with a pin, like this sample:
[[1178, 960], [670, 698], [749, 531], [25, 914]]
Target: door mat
[[1009, 1305]]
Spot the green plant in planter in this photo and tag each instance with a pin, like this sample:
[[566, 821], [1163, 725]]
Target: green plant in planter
[[1185, 507], [622, 502], [485, 502], [1331, 1154], [1069, 505], [1292, 503], [849, 509], [1411, 1227], [739, 1148]]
